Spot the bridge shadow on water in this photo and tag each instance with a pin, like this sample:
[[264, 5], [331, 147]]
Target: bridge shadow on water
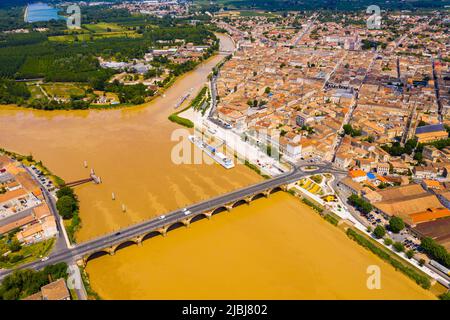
[[124, 245], [198, 217], [175, 226], [151, 235], [219, 210], [96, 255]]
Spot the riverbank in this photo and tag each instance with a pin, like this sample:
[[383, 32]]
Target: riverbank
[[29, 161]]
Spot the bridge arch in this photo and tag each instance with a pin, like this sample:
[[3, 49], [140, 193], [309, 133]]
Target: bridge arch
[[258, 196], [151, 234], [124, 245], [174, 226], [96, 254], [276, 189], [239, 203], [219, 210], [198, 217]]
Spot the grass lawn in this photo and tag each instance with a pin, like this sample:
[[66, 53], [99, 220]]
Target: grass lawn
[[63, 90], [28, 253], [36, 93]]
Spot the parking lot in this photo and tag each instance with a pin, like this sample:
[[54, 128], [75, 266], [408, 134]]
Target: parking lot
[[47, 183], [374, 218]]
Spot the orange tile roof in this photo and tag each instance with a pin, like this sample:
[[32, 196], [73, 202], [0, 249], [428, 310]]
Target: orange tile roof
[[16, 224], [356, 173], [10, 195], [56, 290], [41, 211], [432, 184], [430, 214], [29, 231]]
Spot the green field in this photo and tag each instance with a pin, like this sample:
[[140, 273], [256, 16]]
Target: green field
[[63, 90], [91, 32], [36, 93], [94, 36], [103, 27]]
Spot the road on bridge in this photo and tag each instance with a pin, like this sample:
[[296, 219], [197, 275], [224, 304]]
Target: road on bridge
[[69, 255]]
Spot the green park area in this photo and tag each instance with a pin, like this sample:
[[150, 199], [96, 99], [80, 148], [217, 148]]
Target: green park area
[[13, 253], [64, 90]]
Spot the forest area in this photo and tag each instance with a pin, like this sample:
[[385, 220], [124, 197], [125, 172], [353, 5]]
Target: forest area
[[58, 55]]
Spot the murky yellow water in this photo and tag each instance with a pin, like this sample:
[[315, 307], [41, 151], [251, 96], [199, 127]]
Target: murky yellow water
[[275, 248], [248, 253]]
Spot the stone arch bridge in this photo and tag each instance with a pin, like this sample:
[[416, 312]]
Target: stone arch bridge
[[136, 234]]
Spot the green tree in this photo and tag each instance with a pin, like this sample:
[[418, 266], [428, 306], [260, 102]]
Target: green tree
[[396, 224], [410, 254], [65, 191], [66, 205], [360, 203], [267, 90], [388, 241], [398, 246], [379, 232], [436, 251], [14, 245]]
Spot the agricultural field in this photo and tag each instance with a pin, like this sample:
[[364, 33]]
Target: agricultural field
[[91, 32], [94, 36], [102, 27], [64, 90]]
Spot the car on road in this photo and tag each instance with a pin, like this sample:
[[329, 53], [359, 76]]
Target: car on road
[[44, 259], [161, 217], [118, 234], [186, 211]]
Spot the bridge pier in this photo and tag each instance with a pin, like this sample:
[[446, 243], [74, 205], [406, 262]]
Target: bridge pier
[[266, 193], [112, 250], [248, 200], [163, 230], [186, 222], [229, 207], [138, 240], [208, 214], [82, 262]]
